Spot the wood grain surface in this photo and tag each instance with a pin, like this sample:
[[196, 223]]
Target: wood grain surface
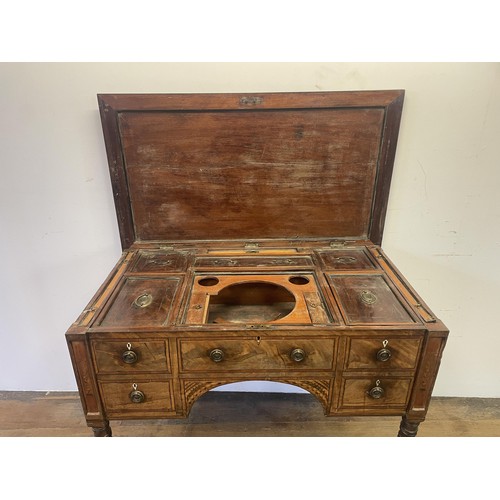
[[246, 415]]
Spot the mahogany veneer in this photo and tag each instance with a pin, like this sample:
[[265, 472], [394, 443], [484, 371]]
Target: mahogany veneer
[[251, 228]]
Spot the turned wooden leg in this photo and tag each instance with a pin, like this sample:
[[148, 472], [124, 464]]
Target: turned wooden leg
[[104, 431], [408, 428]]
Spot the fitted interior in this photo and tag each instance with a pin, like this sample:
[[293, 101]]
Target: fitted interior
[[250, 302]]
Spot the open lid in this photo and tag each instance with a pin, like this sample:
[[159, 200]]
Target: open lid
[[310, 165]]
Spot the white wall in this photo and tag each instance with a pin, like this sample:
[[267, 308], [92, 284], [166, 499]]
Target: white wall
[[60, 238]]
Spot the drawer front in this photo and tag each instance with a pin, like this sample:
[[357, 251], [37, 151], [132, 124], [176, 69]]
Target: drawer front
[[356, 392], [157, 398], [383, 353], [252, 354], [117, 356]]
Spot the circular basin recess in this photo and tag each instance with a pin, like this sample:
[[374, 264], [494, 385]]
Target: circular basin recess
[[210, 281], [298, 280], [250, 302]]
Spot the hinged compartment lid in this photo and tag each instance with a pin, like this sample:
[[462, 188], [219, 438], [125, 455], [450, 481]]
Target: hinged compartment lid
[[310, 165]]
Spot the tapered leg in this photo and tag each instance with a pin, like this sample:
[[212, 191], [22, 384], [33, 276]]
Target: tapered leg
[[408, 428], [104, 431]]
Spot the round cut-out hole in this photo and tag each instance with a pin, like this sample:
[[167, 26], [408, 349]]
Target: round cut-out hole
[[208, 281], [299, 280], [250, 302]]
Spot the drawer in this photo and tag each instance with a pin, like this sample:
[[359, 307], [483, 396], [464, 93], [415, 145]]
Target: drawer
[[152, 398], [216, 355], [382, 353], [122, 356], [387, 392]]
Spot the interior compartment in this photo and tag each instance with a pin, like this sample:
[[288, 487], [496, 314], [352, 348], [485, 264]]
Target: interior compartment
[[250, 302]]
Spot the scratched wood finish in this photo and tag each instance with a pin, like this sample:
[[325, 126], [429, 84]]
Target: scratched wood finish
[[180, 162]]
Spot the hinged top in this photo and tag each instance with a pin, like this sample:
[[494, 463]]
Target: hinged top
[[248, 167]]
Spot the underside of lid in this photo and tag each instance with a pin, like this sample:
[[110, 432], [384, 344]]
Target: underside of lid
[[188, 167]]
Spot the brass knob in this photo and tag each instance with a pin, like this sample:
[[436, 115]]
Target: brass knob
[[376, 392], [384, 354], [216, 355], [129, 357], [298, 355], [136, 396]]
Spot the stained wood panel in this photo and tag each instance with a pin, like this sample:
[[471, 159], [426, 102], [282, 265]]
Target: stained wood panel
[[151, 356], [220, 175], [142, 302], [363, 353], [355, 392], [158, 398], [252, 354], [368, 299]]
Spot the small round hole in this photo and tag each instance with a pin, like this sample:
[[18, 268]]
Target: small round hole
[[208, 281], [299, 280]]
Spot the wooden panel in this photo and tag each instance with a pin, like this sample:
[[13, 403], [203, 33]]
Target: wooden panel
[[126, 309], [151, 356], [252, 354], [355, 392], [263, 262], [159, 262], [368, 299], [352, 259], [213, 175], [339, 143], [158, 398], [363, 353]]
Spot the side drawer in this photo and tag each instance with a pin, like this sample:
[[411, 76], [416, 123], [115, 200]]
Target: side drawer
[[356, 392], [252, 354], [157, 398], [382, 353], [117, 356]]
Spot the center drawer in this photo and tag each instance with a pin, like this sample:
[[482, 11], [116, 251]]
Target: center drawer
[[256, 354]]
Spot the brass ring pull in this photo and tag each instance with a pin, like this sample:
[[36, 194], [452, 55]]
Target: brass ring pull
[[298, 355], [130, 357], [384, 354], [368, 297], [216, 355], [376, 392], [144, 300], [136, 396]]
